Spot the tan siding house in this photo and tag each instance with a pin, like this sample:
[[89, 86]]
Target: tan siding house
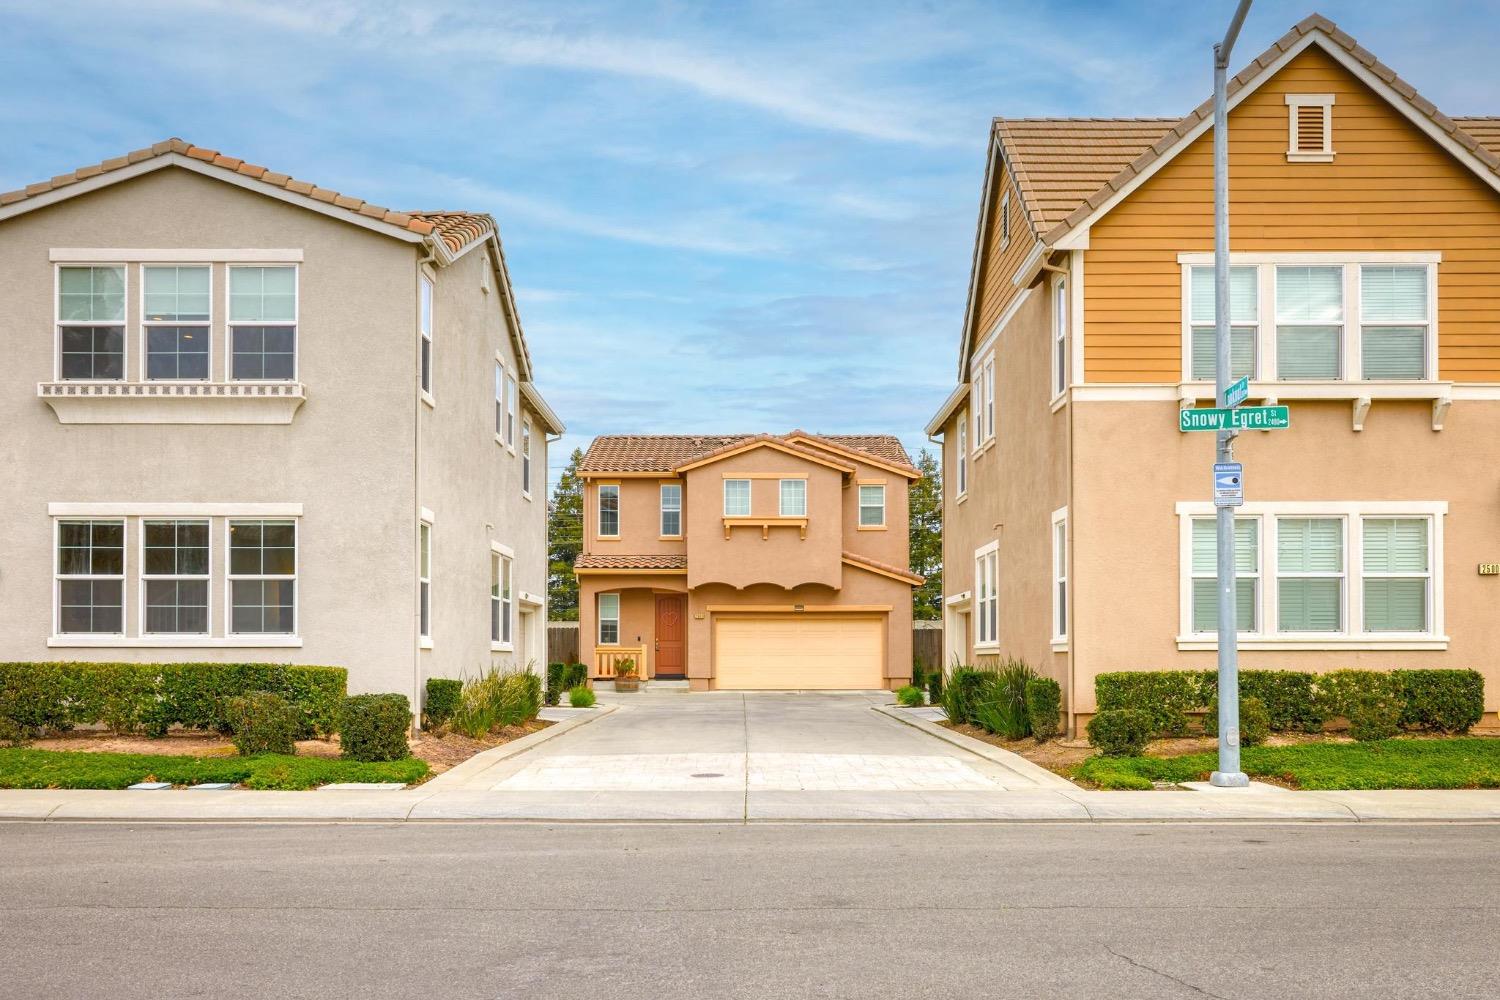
[[1365, 235], [255, 420]]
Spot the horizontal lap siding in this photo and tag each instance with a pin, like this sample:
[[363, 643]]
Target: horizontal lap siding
[[998, 265], [1389, 188]]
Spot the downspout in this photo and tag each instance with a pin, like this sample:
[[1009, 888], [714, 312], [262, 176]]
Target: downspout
[[416, 517]]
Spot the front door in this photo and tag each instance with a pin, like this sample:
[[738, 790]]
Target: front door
[[670, 612]]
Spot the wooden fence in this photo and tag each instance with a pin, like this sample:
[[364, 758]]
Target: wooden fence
[[562, 642], [926, 643]]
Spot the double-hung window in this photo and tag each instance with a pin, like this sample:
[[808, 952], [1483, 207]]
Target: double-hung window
[[609, 511], [1205, 589], [987, 596], [1310, 574], [1309, 322], [501, 601], [526, 455], [963, 454], [671, 510], [793, 498], [1060, 575], [872, 505], [989, 398], [424, 580], [175, 574], [1059, 336], [1397, 574], [263, 323], [499, 401], [1394, 321], [510, 410], [424, 324], [91, 577], [609, 619], [175, 315], [91, 322], [736, 498], [262, 577], [1243, 322]]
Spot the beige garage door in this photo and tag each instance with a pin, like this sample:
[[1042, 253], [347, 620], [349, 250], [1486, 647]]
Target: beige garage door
[[788, 653]]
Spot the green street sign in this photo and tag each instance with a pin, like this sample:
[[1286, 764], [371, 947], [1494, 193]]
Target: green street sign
[[1242, 418]]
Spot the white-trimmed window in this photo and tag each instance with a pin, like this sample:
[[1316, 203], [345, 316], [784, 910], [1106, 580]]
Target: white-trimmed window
[[176, 321], [609, 510], [499, 401], [1309, 128], [1341, 574], [1060, 575], [175, 576], [793, 498], [262, 323], [1205, 570], [671, 510], [1059, 336], [90, 577], [510, 410], [609, 619], [987, 595], [962, 455], [872, 505], [424, 580], [988, 376], [424, 327], [1244, 328], [91, 323], [736, 498], [502, 602], [262, 577], [1395, 321], [526, 456], [1309, 322]]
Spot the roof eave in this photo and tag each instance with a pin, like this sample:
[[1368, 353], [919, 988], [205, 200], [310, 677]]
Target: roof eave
[[950, 405]]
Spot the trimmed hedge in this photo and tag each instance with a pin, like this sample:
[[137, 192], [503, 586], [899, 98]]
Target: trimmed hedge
[[442, 698], [554, 683], [262, 722], [1255, 720], [74, 769], [1449, 701], [1120, 732], [42, 697], [372, 727], [1164, 697], [1044, 707]]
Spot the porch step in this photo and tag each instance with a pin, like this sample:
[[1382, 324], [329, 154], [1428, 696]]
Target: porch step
[[654, 685]]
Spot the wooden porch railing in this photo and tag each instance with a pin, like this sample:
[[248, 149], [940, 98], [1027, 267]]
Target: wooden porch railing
[[606, 659]]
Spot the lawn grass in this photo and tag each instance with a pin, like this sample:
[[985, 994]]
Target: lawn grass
[[1400, 763], [22, 768]]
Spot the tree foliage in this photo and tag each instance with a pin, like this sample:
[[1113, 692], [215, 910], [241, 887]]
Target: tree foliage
[[926, 533], [564, 541]]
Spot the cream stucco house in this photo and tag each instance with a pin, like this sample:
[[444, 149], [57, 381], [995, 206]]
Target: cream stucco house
[[248, 418]]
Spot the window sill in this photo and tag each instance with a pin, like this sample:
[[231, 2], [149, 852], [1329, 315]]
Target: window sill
[[427, 398], [1058, 402], [525, 495], [986, 647], [1340, 643], [502, 647], [173, 402], [984, 447], [1295, 157], [424, 642], [871, 527], [961, 498], [1059, 645], [174, 641], [606, 538], [669, 538], [1360, 393]]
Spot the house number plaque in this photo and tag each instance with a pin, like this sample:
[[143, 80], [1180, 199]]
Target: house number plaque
[[1489, 569]]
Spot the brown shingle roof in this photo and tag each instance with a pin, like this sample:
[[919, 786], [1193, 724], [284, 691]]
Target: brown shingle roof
[[666, 452], [884, 567], [672, 561], [455, 229]]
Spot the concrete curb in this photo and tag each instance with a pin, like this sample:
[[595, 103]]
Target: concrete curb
[[463, 773], [1035, 773]]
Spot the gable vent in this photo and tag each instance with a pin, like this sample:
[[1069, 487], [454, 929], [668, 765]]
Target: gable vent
[[1310, 124]]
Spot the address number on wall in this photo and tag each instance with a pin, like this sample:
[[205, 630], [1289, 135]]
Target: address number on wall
[[1489, 569]]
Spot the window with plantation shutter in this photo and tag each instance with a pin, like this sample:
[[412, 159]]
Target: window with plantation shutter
[[1205, 549], [1397, 572], [1309, 574], [1394, 318], [1244, 327], [1310, 128], [1309, 322]]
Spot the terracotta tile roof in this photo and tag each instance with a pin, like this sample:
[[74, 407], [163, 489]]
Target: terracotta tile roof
[[666, 452], [595, 561], [456, 229], [875, 564]]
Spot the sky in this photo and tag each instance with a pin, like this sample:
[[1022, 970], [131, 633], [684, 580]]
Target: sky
[[719, 217]]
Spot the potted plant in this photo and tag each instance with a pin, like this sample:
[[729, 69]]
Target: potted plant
[[626, 678]]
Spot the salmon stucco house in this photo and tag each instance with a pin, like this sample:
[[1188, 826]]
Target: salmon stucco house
[[1365, 249], [747, 561], [248, 418]]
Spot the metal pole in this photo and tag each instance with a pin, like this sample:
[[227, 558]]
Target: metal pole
[[1229, 774]]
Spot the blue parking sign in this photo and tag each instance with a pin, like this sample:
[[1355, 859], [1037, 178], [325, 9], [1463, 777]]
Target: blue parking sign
[[1229, 484]]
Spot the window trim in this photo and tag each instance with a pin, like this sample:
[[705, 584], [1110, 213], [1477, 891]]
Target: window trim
[[148, 325], [664, 510], [526, 456], [1061, 317], [426, 321], [510, 411], [424, 582], [749, 497], [229, 324], [1354, 636], [600, 619], [781, 485], [1294, 103], [599, 511], [859, 497], [499, 411], [57, 322], [961, 484], [986, 593], [1061, 559], [230, 576], [58, 577], [502, 599], [143, 577]]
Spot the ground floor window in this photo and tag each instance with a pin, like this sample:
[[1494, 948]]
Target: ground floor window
[[262, 577], [502, 603], [90, 577], [175, 570], [1060, 575], [987, 595], [609, 619]]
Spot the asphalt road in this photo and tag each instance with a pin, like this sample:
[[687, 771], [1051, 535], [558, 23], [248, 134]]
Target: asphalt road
[[621, 912]]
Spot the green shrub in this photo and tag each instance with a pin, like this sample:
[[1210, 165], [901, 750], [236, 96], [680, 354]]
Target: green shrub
[[965, 691], [262, 722], [1374, 715], [12, 734], [555, 686], [1120, 732], [1044, 707], [1290, 698], [70, 769], [373, 727], [1449, 701], [581, 697], [1001, 707], [1338, 690], [1255, 720], [910, 696], [574, 674], [935, 687], [1165, 697], [441, 701], [495, 699]]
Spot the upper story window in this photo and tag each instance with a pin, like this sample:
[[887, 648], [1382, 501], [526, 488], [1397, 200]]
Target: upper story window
[[963, 453], [510, 410], [424, 325], [671, 510], [983, 401], [263, 577], [1059, 336], [526, 456], [499, 401], [91, 322], [609, 511], [736, 498], [872, 505], [793, 498], [1332, 319], [1309, 128], [175, 315], [263, 323], [91, 577]]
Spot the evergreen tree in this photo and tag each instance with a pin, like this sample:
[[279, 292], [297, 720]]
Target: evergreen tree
[[926, 501], [564, 542]]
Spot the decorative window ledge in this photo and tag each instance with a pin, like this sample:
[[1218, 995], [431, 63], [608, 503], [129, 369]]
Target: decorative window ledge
[[175, 642], [765, 524], [1333, 643], [1360, 394], [173, 402]]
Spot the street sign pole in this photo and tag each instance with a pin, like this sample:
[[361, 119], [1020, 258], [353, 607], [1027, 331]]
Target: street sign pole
[[1229, 774]]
